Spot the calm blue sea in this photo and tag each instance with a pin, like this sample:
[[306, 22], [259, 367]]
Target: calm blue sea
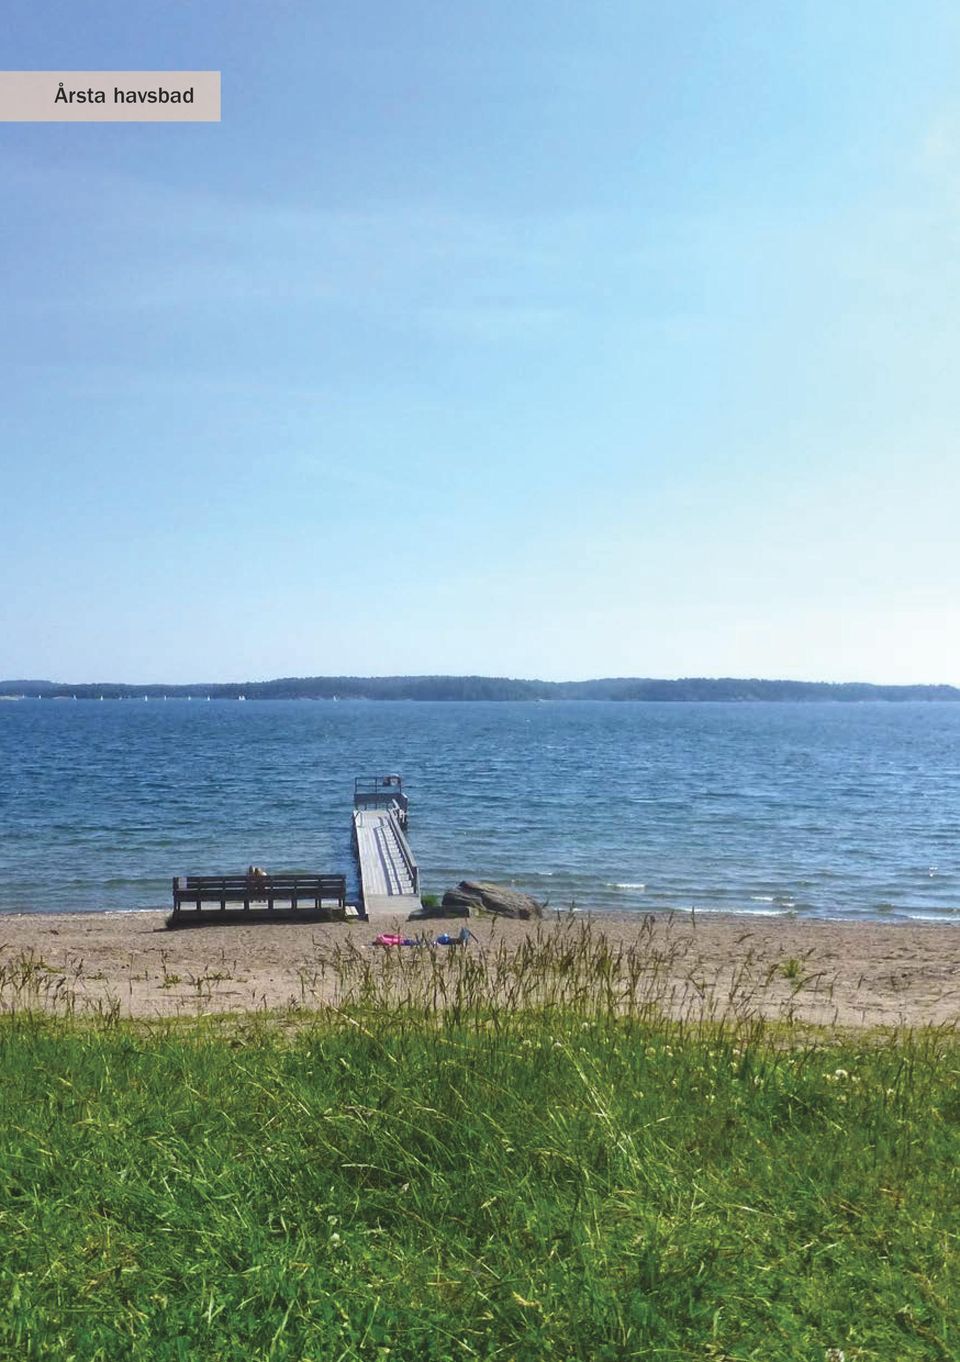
[[848, 811]]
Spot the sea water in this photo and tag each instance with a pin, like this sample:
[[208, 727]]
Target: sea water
[[829, 810]]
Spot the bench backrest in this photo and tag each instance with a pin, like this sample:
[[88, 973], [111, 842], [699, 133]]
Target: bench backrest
[[258, 882], [254, 888]]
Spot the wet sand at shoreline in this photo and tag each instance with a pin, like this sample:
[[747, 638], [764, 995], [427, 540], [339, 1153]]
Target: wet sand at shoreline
[[844, 974]]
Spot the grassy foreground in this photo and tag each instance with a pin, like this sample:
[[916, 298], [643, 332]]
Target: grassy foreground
[[420, 1182]]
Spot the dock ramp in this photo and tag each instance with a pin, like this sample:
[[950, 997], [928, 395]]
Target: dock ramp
[[389, 875]]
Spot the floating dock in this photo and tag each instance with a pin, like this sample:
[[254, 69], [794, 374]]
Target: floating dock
[[389, 874]]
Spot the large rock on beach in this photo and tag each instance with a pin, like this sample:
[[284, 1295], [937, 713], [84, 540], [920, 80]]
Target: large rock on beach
[[478, 896]]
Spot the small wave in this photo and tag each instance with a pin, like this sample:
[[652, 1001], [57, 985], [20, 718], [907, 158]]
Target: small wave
[[744, 912], [81, 912], [124, 912], [626, 884], [762, 898]]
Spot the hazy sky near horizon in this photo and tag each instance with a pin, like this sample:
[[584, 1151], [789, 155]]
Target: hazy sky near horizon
[[552, 339]]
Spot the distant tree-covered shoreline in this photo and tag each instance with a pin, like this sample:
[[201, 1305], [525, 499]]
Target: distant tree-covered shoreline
[[486, 688]]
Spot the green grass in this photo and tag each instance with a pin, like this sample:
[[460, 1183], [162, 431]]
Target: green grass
[[417, 1179]]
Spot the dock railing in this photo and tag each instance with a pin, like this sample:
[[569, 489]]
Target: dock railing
[[380, 792], [405, 851]]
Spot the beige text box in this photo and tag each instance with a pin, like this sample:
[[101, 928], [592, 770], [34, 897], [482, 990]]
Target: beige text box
[[109, 96]]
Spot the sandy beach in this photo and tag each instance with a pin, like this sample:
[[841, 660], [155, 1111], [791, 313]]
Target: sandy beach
[[848, 975]]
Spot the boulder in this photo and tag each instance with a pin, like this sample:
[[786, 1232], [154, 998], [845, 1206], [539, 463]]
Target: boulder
[[478, 896]]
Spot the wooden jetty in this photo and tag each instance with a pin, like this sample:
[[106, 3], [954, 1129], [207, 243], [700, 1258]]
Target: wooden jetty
[[389, 874]]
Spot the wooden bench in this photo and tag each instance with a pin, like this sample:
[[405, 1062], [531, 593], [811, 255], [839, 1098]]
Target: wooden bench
[[291, 897]]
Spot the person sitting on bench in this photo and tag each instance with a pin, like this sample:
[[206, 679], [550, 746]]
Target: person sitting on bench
[[257, 879]]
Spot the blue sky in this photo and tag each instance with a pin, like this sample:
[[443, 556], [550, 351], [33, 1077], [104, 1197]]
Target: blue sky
[[551, 339]]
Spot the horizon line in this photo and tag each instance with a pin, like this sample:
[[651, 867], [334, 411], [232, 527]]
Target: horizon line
[[478, 676]]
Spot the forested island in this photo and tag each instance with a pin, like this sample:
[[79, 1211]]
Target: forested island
[[483, 688]]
